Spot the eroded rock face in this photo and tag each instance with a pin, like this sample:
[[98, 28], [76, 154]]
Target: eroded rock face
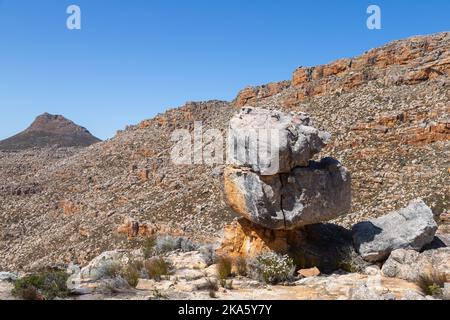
[[270, 141], [412, 227], [306, 195]]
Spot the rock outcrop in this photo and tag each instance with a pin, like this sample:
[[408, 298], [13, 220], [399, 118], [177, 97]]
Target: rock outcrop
[[411, 265], [412, 227], [99, 276], [399, 63], [299, 192]]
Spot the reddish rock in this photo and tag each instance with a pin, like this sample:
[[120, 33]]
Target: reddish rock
[[308, 273]]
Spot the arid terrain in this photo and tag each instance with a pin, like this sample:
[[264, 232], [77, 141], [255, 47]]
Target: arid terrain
[[67, 200]]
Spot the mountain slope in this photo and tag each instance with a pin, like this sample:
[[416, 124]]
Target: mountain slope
[[50, 130], [392, 133]]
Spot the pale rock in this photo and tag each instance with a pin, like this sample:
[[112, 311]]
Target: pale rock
[[295, 142], [308, 195], [8, 276], [187, 260], [96, 277], [412, 227], [411, 265]]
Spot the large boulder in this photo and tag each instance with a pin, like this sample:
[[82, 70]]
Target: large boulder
[[270, 142], [412, 227], [306, 195], [411, 265]]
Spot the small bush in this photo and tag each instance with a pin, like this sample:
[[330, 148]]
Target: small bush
[[432, 283], [131, 274], [46, 285], [157, 268], [148, 247], [223, 267], [111, 270], [168, 243], [209, 254], [272, 268], [241, 266], [212, 287]]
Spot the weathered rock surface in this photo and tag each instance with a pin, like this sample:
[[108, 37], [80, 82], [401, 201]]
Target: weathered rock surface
[[411, 265], [8, 276], [307, 195], [412, 227], [99, 275], [270, 141]]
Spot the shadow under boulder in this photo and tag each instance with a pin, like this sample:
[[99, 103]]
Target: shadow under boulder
[[326, 246]]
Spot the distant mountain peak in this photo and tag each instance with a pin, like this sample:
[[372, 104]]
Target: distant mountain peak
[[50, 130]]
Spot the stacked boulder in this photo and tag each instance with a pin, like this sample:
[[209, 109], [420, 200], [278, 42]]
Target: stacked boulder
[[272, 181], [285, 199]]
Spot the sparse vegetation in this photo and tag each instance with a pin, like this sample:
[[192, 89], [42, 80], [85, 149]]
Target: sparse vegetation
[[158, 295], [272, 268], [148, 247], [432, 283], [157, 268], [224, 266], [131, 274], [111, 269], [241, 266], [168, 243], [46, 285], [227, 284], [209, 254]]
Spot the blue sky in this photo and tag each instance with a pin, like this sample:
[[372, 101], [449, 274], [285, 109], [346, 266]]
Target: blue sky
[[133, 59]]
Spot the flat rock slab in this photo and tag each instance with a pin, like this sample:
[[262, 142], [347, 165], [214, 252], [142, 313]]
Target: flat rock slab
[[412, 227]]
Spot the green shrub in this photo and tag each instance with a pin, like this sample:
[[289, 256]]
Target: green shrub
[[241, 266], [223, 267], [432, 283], [131, 274], [46, 285], [111, 270], [157, 268], [272, 268], [148, 247]]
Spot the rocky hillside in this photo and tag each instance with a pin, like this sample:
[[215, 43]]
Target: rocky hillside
[[387, 110], [50, 130]]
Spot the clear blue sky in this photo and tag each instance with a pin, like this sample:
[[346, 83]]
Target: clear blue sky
[[135, 58]]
